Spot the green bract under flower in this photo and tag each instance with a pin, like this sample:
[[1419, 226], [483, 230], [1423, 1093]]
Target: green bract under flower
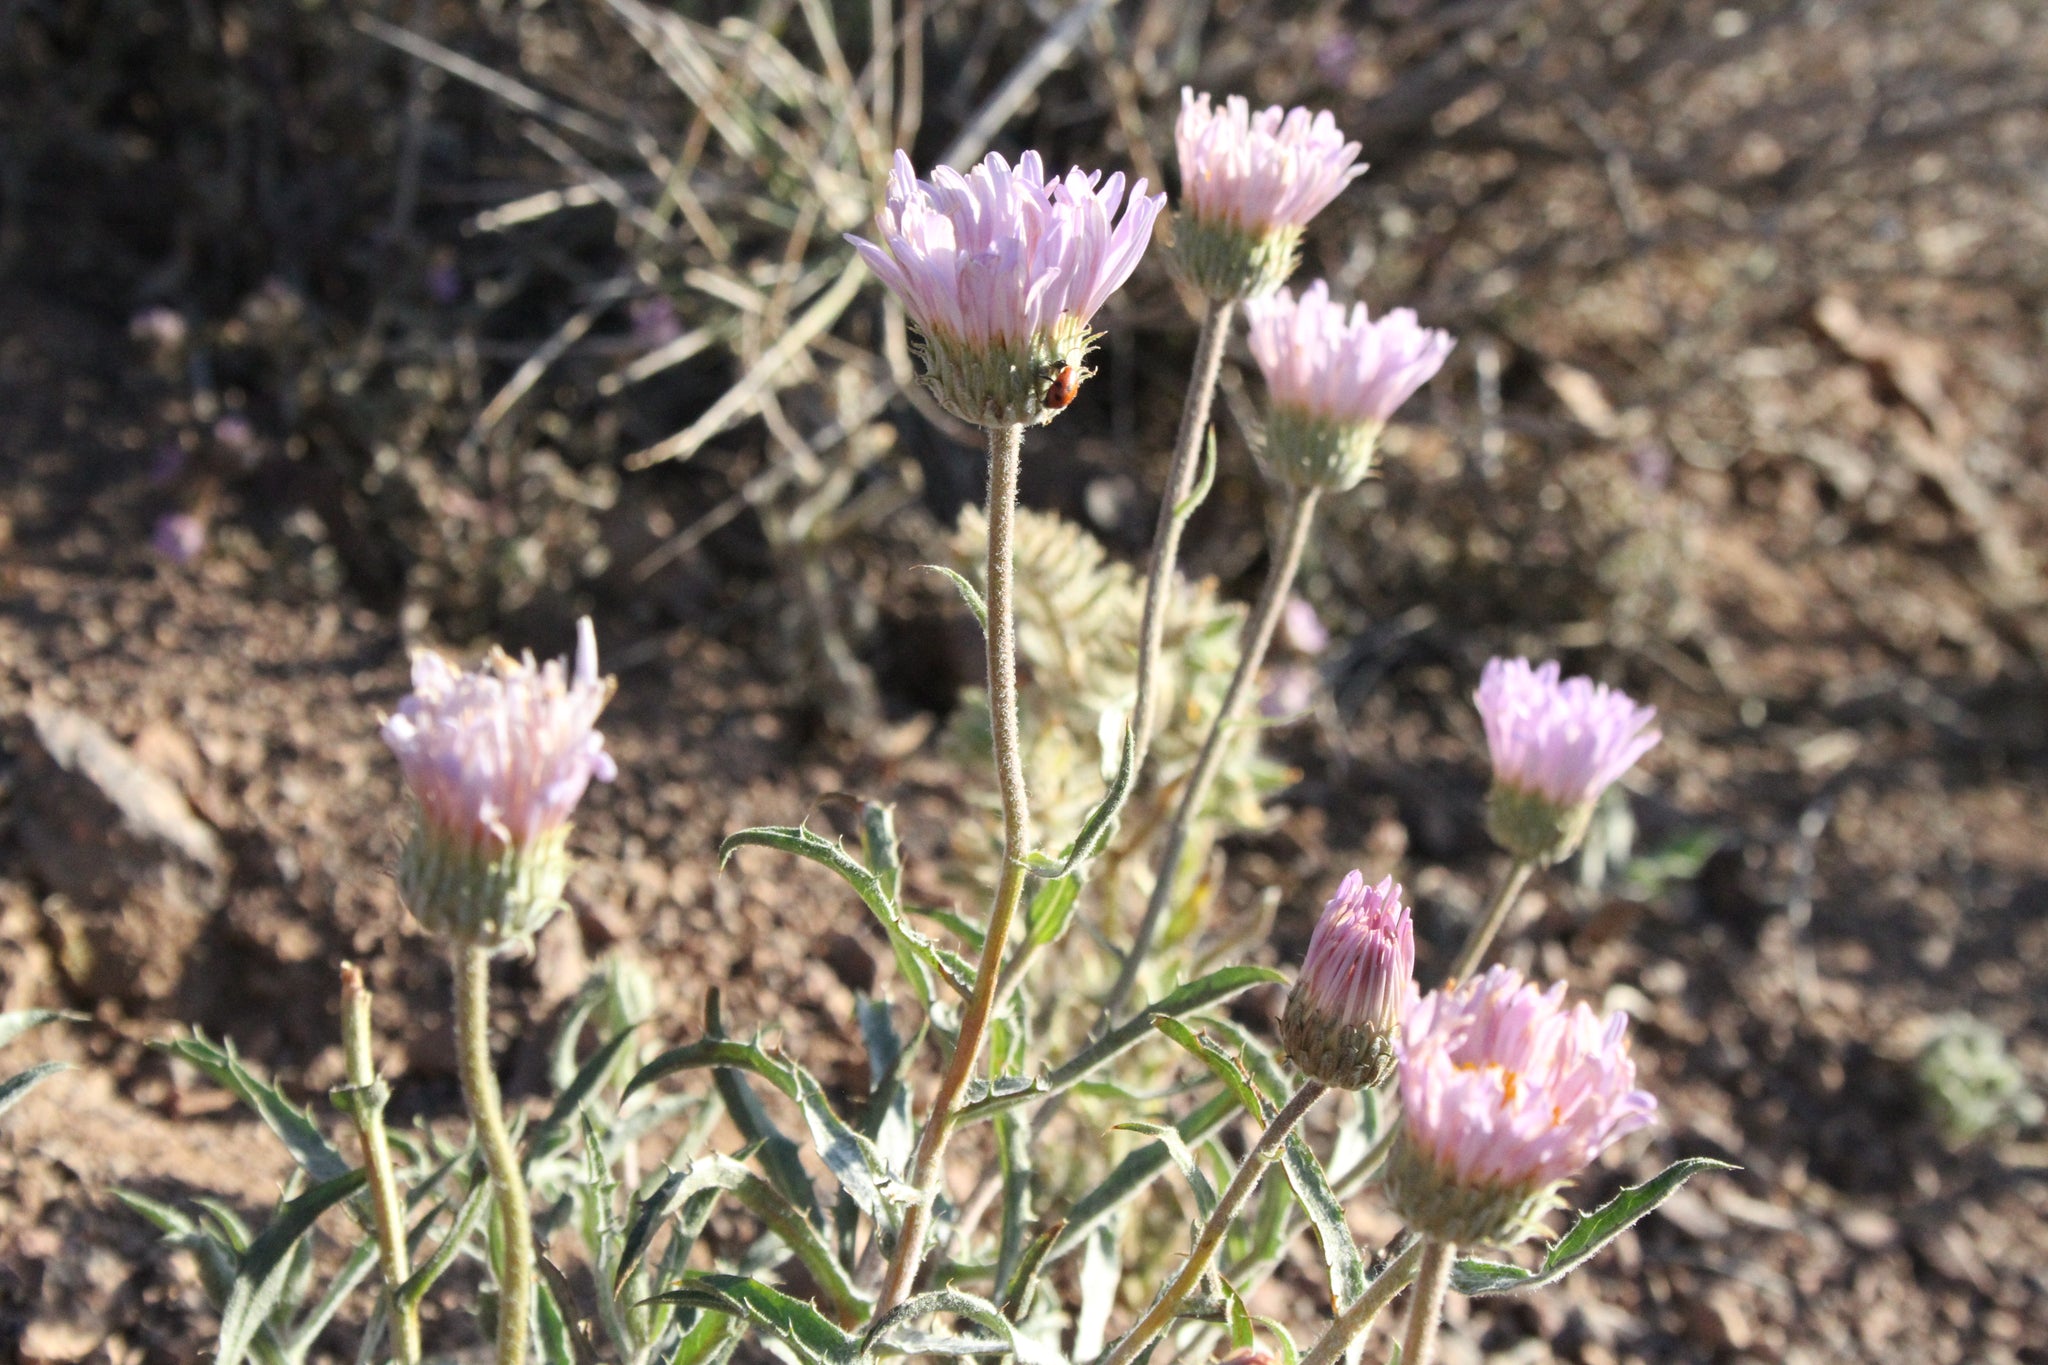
[[1307, 451], [1223, 261], [1003, 384]]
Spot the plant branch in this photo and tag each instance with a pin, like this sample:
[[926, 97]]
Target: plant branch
[[486, 1113], [1173, 515], [387, 1202], [1242, 1186], [1482, 936], [1426, 1309], [1005, 450], [1358, 1319], [1296, 520]]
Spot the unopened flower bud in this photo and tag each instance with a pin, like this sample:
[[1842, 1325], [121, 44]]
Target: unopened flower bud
[[1001, 269], [1355, 981], [1506, 1094], [1249, 184], [497, 760], [1335, 376], [1557, 744]]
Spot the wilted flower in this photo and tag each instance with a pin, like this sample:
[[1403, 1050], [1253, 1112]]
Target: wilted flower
[[497, 759], [1335, 376], [1001, 270], [1506, 1093], [1355, 982], [1249, 183], [1557, 744], [178, 537]]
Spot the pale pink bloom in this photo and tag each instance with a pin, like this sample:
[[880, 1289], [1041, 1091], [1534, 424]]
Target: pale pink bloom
[[1277, 168], [1301, 629], [1566, 740], [1360, 965], [499, 756], [1504, 1087], [178, 537], [1336, 365], [998, 256]]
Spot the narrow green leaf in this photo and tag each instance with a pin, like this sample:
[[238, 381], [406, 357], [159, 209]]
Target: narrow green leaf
[[291, 1124], [260, 1276], [1094, 831], [558, 1295], [1017, 1292], [719, 1052], [880, 848], [1204, 481], [1002, 1336], [1051, 910], [969, 594], [784, 1219], [710, 1338], [1349, 1276], [1221, 1064], [21, 1082], [1135, 1172], [1585, 1238], [852, 1159], [14, 1023], [1239, 1322], [307, 1329], [1207, 990], [916, 954], [1289, 1353], [1183, 1157], [543, 1139], [805, 1330], [464, 1226], [166, 1219], [1013, 1152]]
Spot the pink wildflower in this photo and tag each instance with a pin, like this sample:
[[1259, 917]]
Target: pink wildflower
[[1355, 981], [178, 537], [1565, 739], [1504, 1085], [1001, 270], [1337, 364], [1277, 168], [497, 759]]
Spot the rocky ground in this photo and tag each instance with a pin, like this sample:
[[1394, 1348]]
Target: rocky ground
[[1763, 439]]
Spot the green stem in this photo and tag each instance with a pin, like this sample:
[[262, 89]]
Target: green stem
[[1005, 450], [1482, 936], [1242, 1186], [1358, 1318], [1180, 482], [387, 1203], [1258, 635], [486, 1115], [1426, 1309]]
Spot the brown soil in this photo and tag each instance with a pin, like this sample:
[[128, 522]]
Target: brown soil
[[1797, 500]]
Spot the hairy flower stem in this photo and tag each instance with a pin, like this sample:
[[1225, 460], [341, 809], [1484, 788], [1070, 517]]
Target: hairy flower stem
[[1180, 483], [1426, 1309], [387, 1204], [1005, 450], [1296, 520], [1242, 1185], [1358, 1319], [1474, 952], [486, 1115]]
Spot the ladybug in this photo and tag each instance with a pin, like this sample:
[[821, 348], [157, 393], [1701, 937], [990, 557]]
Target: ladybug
[[1064, 386]]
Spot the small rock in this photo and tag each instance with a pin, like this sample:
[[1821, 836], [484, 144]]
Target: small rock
[[135, 873], [1868, 1229], [1722, 1323], [48, 1341]]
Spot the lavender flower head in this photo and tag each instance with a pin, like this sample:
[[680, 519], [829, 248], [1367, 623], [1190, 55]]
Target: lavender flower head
[[1557, 744], [179, 537], [1249, 184], [1001, 270], [497, 759], [1506, 1093], [1335, 376], [1355, 983]]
